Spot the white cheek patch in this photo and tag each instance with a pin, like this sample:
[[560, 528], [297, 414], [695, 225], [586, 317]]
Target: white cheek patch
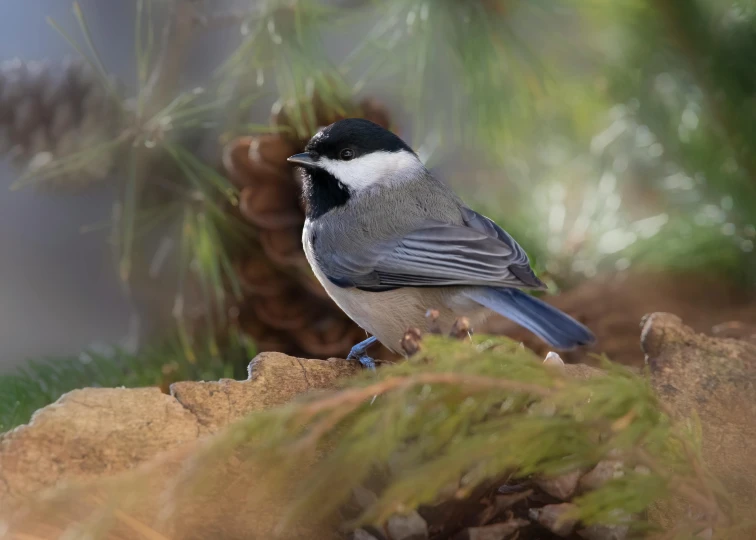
[[374, 168]]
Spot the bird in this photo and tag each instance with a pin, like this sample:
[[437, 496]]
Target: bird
[[388, 241]]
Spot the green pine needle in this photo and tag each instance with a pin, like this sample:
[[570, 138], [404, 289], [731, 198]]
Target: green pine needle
[[283, 41], [94, 61], [471, 56]]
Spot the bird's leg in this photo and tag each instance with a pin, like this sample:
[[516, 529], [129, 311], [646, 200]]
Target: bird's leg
[[359, 353]]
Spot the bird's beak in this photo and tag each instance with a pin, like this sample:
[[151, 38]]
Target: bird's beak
[[303, 160]]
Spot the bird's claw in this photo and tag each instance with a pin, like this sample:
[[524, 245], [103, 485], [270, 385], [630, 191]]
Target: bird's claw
[[363, 359], [368, 362]]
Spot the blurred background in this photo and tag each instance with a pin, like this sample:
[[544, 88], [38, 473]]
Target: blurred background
[[150, 225]]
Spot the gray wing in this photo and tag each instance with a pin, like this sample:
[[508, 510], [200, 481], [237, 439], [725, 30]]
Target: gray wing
[[520, 264], [433, 255]]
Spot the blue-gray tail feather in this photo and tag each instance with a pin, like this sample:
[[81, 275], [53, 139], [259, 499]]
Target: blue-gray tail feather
[[553, 326]]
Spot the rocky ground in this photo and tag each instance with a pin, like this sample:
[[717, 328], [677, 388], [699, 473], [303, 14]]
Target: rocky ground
[[110, 440], [612, 306]]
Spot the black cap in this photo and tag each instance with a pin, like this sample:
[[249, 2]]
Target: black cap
[[360, 135]]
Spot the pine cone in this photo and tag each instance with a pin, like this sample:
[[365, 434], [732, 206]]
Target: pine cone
[[46, 116], [285, 307]]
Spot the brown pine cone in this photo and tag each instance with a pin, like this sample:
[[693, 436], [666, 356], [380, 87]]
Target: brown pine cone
[[46, 116], [285, 307]]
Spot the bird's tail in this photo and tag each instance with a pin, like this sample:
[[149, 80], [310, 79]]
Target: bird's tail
[[553, 326]]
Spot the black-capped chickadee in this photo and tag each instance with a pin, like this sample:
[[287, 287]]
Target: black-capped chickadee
[[389, 242]]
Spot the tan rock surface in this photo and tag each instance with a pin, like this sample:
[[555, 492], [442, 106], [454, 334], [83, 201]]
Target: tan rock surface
[[167, 498], [716, 379], [274, 378], [132, 444], [90, 433]]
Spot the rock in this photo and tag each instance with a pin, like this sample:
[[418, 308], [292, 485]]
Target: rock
[[274, 379], [554, 361], [562, 487], [714, 379], [88, 434], [735, 330], [503, 502], [497, 531], [706, 534], [601, 474], [551, 516], [612, 304], [409, 526], [582, 371], [364, 497], [604, 532], [362, 534], [170, 497], [97, 446]]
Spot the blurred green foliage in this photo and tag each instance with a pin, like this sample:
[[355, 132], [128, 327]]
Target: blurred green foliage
[[589, 120], [647, 162]]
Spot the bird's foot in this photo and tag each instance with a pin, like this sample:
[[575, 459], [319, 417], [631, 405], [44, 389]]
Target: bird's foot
[[359, 353], [366, 361]]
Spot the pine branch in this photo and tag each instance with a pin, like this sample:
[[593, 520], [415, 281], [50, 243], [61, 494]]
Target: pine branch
[[459, 410]]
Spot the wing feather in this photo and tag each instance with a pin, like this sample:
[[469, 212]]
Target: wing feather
[[436, 254]]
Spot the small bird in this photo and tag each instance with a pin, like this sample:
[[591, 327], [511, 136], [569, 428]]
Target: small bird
[[388, 242]]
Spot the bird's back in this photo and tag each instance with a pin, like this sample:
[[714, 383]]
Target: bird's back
[[387, 212]]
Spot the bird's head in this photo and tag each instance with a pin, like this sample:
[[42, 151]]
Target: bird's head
[[357, 154]]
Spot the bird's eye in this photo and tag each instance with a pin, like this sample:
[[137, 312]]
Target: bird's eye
[[346, 154]]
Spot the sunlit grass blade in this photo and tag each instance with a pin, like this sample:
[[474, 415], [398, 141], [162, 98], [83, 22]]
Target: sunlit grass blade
[[208, 266]]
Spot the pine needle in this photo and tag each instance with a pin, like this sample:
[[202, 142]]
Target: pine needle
[[95, 63]]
